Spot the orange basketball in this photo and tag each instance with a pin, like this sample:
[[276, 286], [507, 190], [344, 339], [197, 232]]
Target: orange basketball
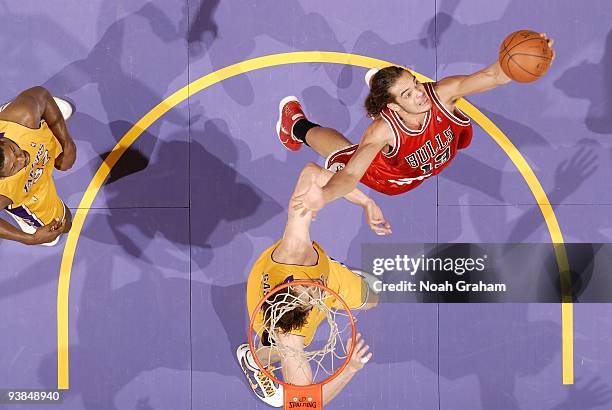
[[525, 56]]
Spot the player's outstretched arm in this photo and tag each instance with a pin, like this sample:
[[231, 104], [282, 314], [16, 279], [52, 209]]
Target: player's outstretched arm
[[8, 231], [295, 247], [45, 234], [345, 181], [319, 178], [450, 89], [360, 357], [35, 104]]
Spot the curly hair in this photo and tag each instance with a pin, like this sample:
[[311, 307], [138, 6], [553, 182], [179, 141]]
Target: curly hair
[[379, 95], [291, 320]]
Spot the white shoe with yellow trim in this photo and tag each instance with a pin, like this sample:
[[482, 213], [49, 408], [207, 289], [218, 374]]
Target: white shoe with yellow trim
[[265, 388]]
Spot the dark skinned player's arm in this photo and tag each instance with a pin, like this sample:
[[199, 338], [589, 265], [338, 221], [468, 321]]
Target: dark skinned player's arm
[[8, 231], [375, 138], [44, 234], [35, 104]]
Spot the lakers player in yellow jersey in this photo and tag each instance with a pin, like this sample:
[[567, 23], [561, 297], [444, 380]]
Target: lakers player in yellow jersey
[[296, 257], [34, 140]]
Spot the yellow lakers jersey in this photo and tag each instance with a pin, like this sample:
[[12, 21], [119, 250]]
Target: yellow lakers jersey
[[32, 189], [266, 274]]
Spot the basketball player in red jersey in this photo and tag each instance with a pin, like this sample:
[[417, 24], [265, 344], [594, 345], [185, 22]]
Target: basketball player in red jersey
[[415, 133]]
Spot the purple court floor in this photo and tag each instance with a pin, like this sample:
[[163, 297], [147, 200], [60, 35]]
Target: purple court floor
[[157, 290]]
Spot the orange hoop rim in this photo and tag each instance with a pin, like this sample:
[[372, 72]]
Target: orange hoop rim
[[326, 289]]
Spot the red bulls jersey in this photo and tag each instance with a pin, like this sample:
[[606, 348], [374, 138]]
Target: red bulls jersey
[[416, 154]]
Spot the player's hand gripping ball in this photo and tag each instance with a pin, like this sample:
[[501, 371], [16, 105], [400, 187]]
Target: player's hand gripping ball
[[525, 55]]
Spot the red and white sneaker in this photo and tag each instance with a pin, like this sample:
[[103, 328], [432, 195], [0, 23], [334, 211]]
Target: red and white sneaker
[[369, 75], [289, 112]]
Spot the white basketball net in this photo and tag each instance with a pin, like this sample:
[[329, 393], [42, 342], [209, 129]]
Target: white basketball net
[[328, 350]]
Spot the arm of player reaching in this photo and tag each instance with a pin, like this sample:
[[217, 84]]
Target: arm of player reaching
[[319, 178], [8, 231], [45, 234], [359, 358], [296, 245], [450, 89], [344, 181], [35, 104]]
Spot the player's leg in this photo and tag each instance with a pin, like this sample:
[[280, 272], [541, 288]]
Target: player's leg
[[265, 388], [325, 140], [294, 129]]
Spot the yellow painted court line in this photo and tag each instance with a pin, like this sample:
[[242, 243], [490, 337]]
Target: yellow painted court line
[[567, 325], [244, 67]]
